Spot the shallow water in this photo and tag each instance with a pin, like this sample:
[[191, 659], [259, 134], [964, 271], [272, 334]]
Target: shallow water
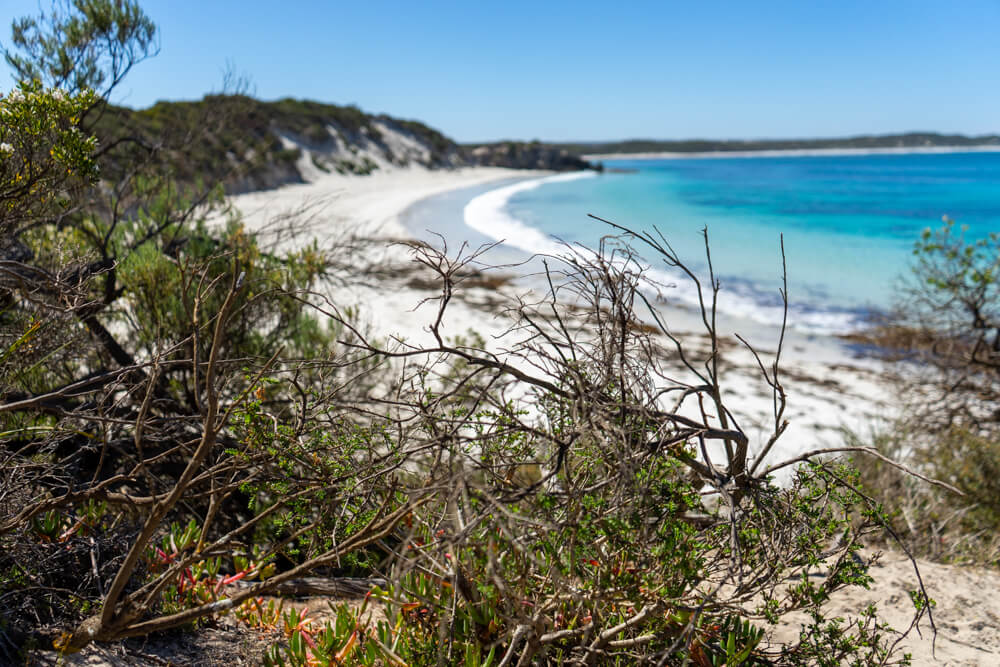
[[849, 222]]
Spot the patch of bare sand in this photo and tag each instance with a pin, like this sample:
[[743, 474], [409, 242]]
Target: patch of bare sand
[[967, 611]]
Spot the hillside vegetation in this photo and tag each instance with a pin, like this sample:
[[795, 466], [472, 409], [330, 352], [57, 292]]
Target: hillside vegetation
[[248, 144]]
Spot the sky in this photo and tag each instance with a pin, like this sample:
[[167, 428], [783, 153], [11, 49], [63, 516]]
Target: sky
[[592, 71]]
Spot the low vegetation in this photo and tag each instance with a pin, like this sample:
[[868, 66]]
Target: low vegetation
[[236, 140], [189, 427], [945, 338]]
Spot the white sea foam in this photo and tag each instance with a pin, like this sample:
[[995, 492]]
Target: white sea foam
[[742, 301], [488, 214]]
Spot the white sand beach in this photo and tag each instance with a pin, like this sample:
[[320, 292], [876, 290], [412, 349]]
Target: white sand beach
[[363, 205]]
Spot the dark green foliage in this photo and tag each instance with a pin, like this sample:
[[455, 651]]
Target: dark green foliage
[[219, 139], [235, 140], [310, 119]]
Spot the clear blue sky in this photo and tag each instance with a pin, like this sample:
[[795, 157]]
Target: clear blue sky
[[594, 70]]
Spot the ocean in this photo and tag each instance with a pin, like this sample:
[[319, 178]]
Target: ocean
[[849, 223]]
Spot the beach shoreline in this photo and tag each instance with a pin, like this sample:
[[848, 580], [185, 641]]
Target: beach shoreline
[[829, 385], [370, 205]]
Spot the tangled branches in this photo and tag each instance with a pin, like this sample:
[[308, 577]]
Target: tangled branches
[[593, 497]]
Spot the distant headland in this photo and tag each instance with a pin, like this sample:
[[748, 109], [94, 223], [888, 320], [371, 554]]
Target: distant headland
[[910, 141]]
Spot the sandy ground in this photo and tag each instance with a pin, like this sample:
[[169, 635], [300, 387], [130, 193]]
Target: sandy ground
[[829, 387], [966, 613], [339, 205]]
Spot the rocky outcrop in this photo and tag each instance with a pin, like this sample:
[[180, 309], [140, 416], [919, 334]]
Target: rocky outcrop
[[533, 155]]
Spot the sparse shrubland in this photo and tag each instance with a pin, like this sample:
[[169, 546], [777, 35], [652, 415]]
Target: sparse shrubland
[[945, 336], [190, 425]]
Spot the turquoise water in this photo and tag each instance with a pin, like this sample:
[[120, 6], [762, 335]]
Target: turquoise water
[[849, 221]]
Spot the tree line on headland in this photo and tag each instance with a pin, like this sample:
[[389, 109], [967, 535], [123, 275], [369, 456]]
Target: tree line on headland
[[906, 140]]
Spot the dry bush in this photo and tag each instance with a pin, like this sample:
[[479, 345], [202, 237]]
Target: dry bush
[[934, 522], [945, 339], [169, 421], [589, 507]]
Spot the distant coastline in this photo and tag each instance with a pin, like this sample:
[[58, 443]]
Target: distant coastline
[[909, 142], [789, 152]]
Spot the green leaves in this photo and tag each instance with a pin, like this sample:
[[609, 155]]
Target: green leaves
[[43, 152], [82, 44], [956, 267]]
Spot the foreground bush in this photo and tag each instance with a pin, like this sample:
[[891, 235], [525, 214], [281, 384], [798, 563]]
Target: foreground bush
[[188, 425], [945, 339], [588, 508]]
